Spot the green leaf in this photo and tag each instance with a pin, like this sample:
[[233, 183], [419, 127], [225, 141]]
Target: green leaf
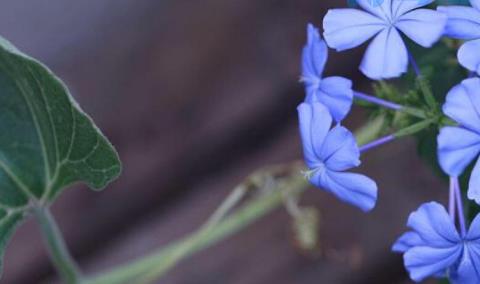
[[46, 141]]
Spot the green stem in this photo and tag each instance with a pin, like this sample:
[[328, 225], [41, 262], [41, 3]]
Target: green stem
[[230, 202], [414, 112], [59, 254], [427, 93], [415, 128], [157, 264]]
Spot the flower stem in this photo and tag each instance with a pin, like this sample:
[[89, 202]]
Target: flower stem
[[451, 199], [461, 214], [61, 258], [377, 143], [377, 101], [423, 84], [414, 128], [157, 264], [148, 268], [389, 105], [414, 64], [409, 130]]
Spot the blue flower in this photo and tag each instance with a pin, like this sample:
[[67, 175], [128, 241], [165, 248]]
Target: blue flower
[[464, 23], [387, 55], [459, 145], [434, 247], [329, 153], [334, 92]]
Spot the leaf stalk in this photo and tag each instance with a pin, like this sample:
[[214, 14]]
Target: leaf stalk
[[59, 254]]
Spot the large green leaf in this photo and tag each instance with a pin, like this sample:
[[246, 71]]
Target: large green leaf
[[46, 141]]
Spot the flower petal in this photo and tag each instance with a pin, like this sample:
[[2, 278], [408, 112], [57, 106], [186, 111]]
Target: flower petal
[[386, 56], [407, 241], [423, 26], [348, 28], [474, 229], [340, 151], [336, 94], [315, 122], [355, 189], [422, 262], [379, 8], [433, 224], [474, 184], [465, 272], [400, 7], [472, 273], [463, 104], [475, 4], [469, 55], [455, 154], [463, 22], [314, 56]]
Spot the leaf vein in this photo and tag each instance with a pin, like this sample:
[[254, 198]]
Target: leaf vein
[[37, 128], [18, 182]]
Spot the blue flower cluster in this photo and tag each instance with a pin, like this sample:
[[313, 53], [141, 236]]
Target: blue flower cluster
[[434, 247], [330, 151], [386, 56], [334, 92]]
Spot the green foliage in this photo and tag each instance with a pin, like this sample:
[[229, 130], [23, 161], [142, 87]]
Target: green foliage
[[440, 72], [440, 66], [46, 141]]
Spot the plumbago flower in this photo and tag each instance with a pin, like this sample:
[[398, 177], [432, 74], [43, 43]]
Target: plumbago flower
[[459, 145], [464, 23], [329, 153], [334, 92], [434, 247], [386, 56]]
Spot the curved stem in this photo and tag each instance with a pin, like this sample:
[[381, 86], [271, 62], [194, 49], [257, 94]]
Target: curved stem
[[148, 268], [155, 265], [61, 258], [231, 201]]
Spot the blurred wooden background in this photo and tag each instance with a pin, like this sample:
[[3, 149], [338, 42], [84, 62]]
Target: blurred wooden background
[[196, 95]]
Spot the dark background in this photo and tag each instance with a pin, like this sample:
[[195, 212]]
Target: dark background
[[196, 95]]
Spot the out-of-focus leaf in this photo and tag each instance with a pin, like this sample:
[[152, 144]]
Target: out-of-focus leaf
[[46, 141]]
